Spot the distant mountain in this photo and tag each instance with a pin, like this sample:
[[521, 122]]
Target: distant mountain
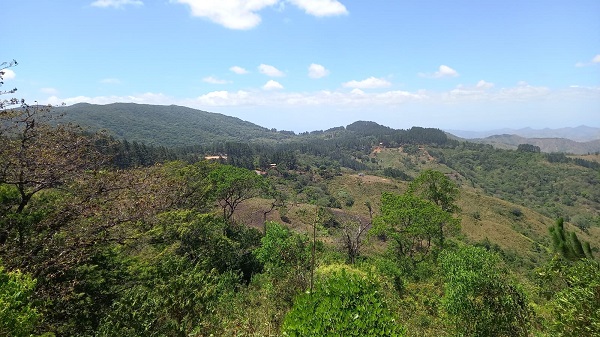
[[545, 144], [579, 134], [169, 126]]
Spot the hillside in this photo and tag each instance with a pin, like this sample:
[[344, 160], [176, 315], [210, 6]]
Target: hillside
[[581, 133], [506, 141], [170, 126]]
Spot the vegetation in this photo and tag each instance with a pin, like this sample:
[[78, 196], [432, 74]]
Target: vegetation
[[304, 235]]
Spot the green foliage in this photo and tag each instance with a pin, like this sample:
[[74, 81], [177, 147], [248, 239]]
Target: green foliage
[[413, 224], [528, 148], [436, 187], [18, 317], [479, 299], [526, 178], [232, 185], [344, 303], [165, 125], [173, 298], [567, 243], [281, 248], [576, 308]]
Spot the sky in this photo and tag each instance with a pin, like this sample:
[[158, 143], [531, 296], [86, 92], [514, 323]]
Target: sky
[[305, 65]]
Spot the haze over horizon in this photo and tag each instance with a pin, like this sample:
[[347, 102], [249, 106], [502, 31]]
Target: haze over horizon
[[306, 65]]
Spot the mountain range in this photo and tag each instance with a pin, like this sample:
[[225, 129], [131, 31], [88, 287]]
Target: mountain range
[[580, 133], [176, 126]]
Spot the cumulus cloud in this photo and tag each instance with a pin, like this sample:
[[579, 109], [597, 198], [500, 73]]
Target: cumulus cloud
[[484, 85], [270, 70], [238, 70], [8, 74], [233, 14], [222, 98], [321, 8], [49, 91], [214, 80], [243, 14], [116, 3], [596, 59], [146, 98], [443, 71], [111, 80], [369, 83], [317, 71], [272, 85]]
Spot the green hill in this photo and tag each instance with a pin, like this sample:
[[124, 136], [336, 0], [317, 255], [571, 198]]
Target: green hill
[[506, 141], [170, 126]]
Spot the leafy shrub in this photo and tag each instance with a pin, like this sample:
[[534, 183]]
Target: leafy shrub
[[479, 300], [344, 303], [576, 308], [17, 316]]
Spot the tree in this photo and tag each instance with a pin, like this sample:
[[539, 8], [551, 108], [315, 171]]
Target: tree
[[528, 148], [11, 101], [413, 224], [344, 303], [35, 156], [233, 185], [439, 189], [436, 187], [567, 243], [479, 299], [352, 233]]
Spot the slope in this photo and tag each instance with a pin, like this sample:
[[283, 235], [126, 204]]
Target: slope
[[169, 126]]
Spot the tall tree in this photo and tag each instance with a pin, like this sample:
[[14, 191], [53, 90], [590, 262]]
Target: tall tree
[[35, 156], [233, 185], [413, 224], [439, 189]]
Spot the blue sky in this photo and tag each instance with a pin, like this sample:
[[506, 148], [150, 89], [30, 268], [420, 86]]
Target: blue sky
[[306, 65]]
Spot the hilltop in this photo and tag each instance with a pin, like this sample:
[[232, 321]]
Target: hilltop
[[170, 126]]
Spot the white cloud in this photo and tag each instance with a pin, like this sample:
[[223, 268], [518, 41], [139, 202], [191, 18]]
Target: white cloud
[[8, 74], [594, 60], [272, 85], [317, 71], [443, 71], [116, 3], [49, 91], [270, 70], [111, 80], [484, 85], [369, 83], [233, 14], [238, 70], [321, 7], [146, 98], [222, 98], [214, 80]]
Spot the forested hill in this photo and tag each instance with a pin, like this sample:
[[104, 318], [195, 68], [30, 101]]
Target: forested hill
[[170, 126], [548, 145], [175, 126]]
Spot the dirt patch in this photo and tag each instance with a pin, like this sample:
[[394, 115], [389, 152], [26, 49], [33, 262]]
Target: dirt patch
[[369, 179]]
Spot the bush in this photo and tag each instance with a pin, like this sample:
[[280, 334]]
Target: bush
[[576, 308], [344, 303], [17, 316], [479, 300]]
